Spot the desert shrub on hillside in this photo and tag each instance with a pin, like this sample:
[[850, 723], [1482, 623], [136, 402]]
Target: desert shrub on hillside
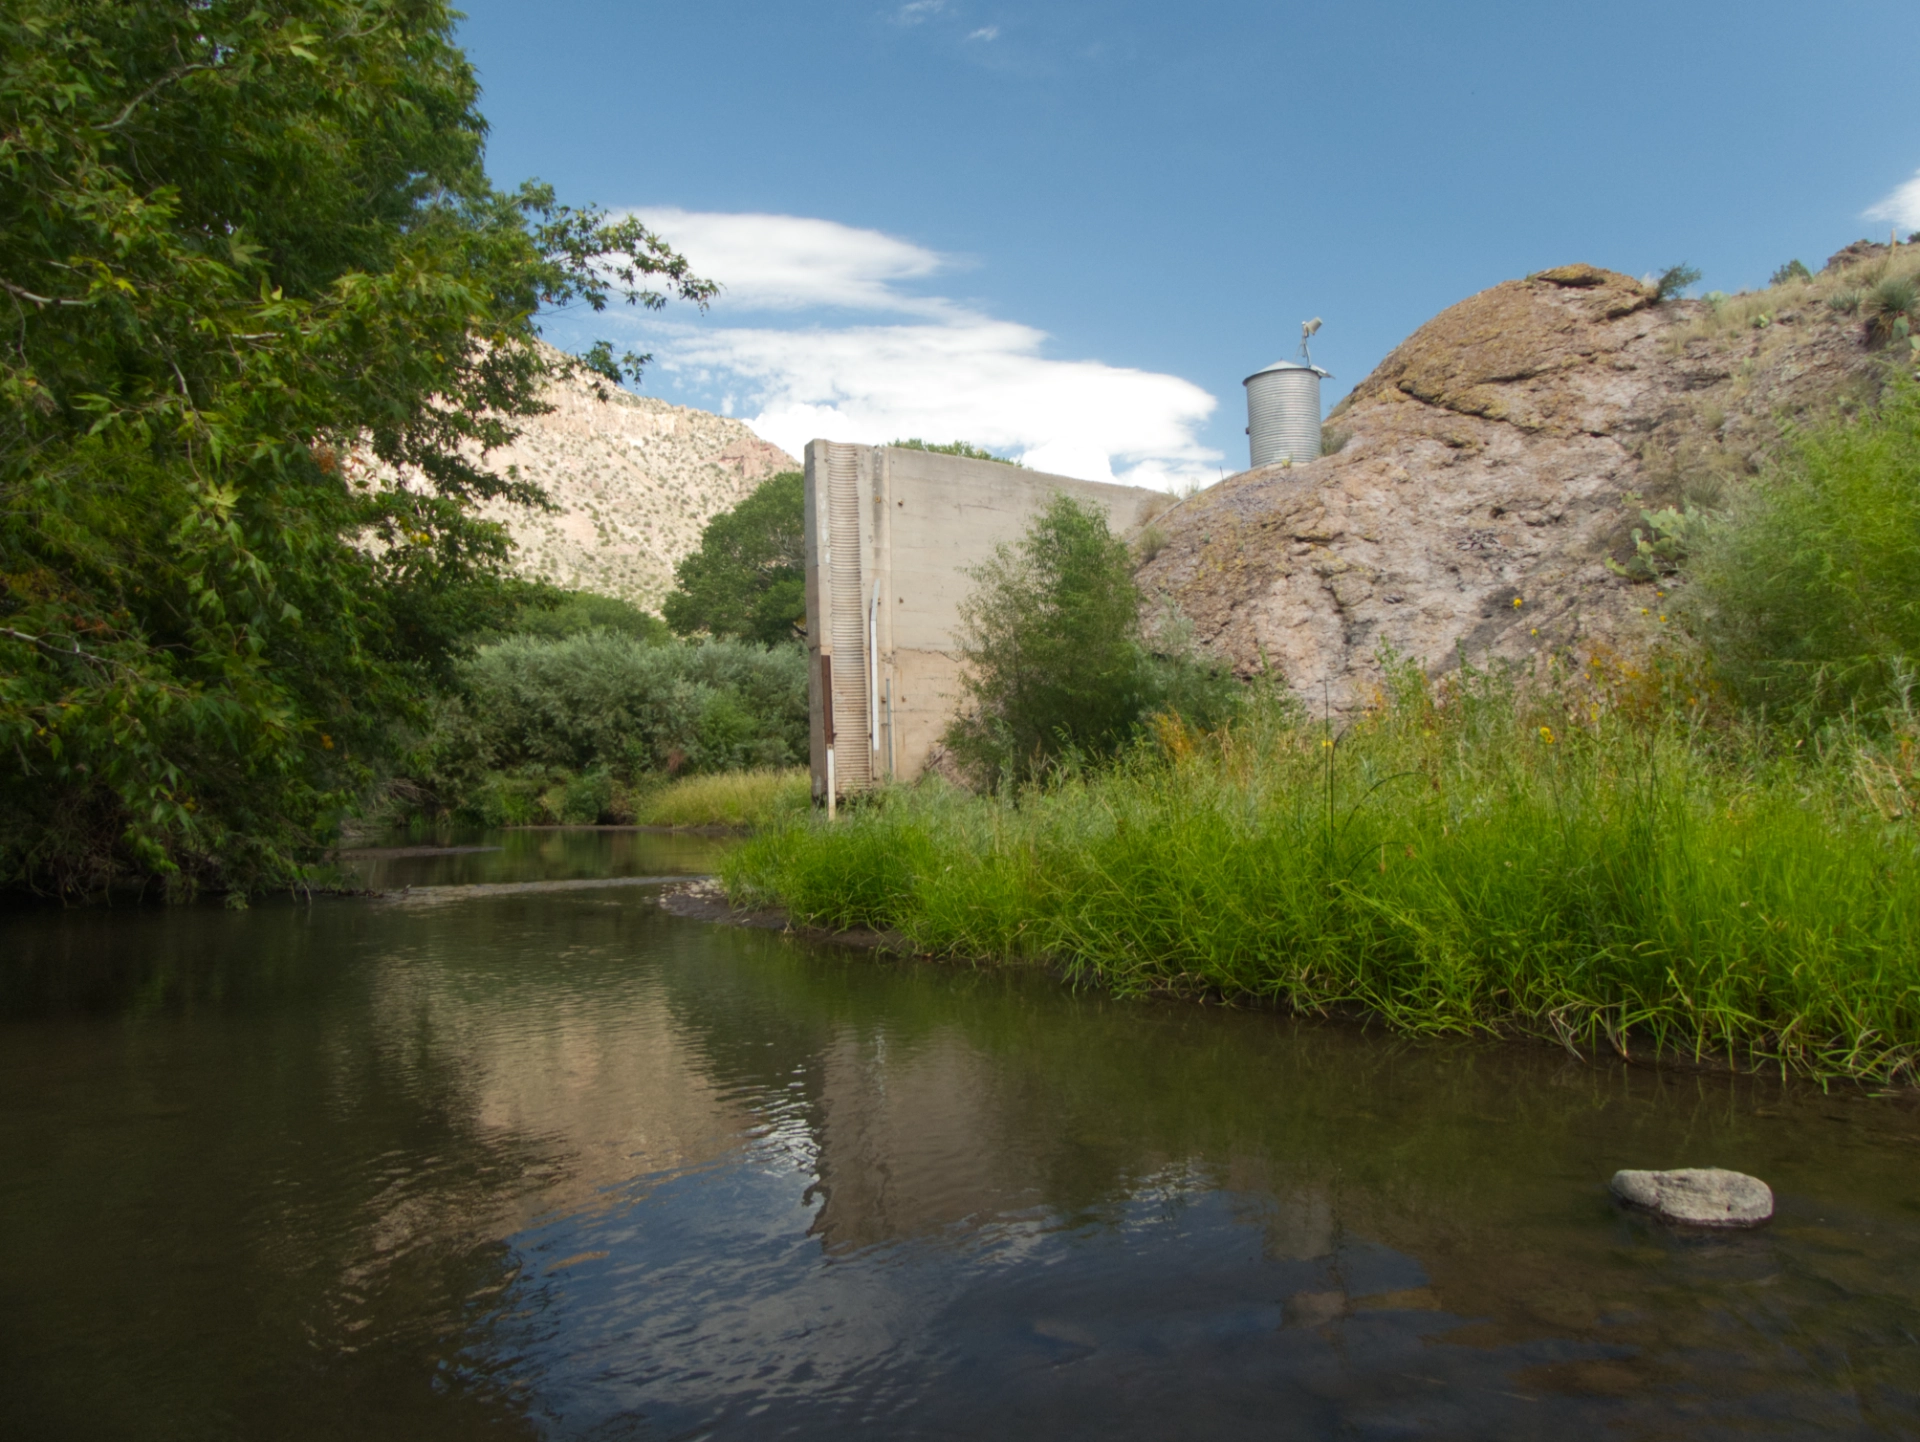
[[1892, 308], [1675, 280]]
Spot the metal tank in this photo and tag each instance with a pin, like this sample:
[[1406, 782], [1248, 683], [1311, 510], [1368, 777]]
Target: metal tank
[[1283, 412]]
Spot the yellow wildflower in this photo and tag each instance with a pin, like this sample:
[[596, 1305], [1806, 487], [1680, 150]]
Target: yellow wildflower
[[1546, 734]]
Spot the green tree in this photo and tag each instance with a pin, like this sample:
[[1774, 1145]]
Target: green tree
[[240, 244], [1805, 590], [1674, 281], [554, 614], [749, 577], [1057, 662]]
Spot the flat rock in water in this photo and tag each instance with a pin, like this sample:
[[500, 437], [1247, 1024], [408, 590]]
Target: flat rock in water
[[1698, 1196]]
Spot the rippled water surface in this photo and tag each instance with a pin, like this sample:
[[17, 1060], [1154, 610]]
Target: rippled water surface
[[555, 1163]]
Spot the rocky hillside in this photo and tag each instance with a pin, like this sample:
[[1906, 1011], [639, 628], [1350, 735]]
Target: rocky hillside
[[634, 481], [1492, 464]]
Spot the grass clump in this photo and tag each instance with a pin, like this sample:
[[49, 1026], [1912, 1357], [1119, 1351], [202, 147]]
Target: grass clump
[[1592, 864], [754, 799], [1892, 307], [1803, 591]]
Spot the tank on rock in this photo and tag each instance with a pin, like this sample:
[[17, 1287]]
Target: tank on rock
[[1283, 408]]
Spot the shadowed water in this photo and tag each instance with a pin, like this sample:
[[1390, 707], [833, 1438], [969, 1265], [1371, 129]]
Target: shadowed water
[[555, 1163]]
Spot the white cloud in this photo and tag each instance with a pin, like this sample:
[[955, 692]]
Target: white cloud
[[1901, 207], [914, 11], [944, 372], [986, 32], [970, 378], [790, 262]]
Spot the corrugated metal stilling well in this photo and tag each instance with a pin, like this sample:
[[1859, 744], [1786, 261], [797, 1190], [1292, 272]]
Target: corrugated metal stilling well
[[1283, 413]]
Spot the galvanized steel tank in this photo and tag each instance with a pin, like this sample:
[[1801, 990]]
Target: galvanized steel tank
[[1283, 412]]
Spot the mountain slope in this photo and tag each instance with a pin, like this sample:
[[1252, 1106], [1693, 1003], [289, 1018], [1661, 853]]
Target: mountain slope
[[633, 479]]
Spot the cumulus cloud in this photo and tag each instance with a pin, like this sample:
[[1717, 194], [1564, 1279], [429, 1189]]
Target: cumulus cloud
[[942, 371], [1901, 206], [791, 262]]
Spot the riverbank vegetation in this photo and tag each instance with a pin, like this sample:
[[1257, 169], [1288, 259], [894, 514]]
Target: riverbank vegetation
[[586, 727], [736, 800], [1713, 851], [584, 709], [241, 246], [1585, 862]]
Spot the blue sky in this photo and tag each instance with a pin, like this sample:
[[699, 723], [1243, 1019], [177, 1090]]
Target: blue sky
[[1068, 230]]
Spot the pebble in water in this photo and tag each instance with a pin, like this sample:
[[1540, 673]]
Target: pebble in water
[[1698, 1196]]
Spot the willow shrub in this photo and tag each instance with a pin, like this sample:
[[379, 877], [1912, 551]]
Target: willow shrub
[[1059, 669], [599, 714], [1577, 868]]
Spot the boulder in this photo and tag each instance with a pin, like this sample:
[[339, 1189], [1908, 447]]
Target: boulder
[[1698, 1196], [1479, 482]]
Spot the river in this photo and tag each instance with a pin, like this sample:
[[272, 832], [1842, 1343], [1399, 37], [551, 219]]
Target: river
[[475, 1161]]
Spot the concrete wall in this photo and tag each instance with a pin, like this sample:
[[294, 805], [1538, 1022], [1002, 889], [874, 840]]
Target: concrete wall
[[890, 535]]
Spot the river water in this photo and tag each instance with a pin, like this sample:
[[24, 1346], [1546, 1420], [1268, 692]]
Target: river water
[[475, 1161]]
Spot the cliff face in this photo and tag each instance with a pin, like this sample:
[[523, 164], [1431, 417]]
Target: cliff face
[[635, 479], [1486, 474], [634, 482]]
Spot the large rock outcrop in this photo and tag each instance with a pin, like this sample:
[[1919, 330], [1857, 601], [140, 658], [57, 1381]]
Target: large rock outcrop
[[1490, 467]]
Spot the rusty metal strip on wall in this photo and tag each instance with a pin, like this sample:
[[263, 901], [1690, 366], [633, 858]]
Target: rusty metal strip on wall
[[846, 602]]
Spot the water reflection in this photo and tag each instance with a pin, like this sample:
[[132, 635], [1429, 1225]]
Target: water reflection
[[566, 1165]]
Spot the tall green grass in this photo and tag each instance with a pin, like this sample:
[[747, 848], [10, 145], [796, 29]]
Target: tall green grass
[[1593, 864], [728, 798]]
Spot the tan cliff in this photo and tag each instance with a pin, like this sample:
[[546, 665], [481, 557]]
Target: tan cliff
[[633, 481], [1493, 464]]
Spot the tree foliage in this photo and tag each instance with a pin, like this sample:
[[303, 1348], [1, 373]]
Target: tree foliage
[[1058, 664], [1675, 280], [555, 614], [603, 701], [748, 578], [238, 241]]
